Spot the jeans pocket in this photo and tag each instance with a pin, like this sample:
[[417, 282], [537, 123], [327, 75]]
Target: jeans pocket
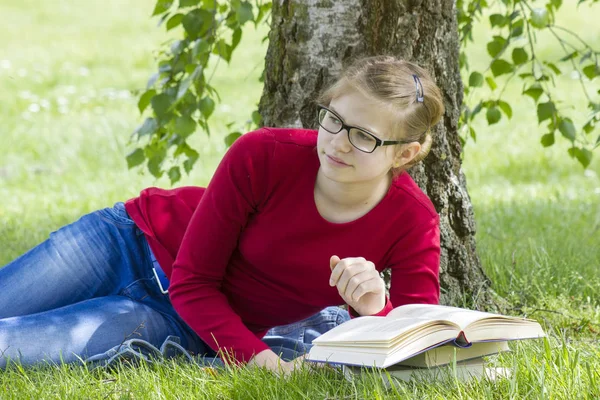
[[138, 290], [116, 214]]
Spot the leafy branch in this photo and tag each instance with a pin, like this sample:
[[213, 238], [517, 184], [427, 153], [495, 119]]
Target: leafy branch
[[179, 98], [521, 20]]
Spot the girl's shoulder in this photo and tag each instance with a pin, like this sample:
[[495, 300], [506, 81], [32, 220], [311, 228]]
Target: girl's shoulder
[[405, 189], [284, 138], [294, 136]]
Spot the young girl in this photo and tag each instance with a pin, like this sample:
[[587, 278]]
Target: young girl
[[292, 222]]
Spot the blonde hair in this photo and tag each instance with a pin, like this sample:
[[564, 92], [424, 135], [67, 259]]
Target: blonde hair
[[391, 82]]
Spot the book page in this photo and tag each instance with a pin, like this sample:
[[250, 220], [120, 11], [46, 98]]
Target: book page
[[377, 329], [459, 316]]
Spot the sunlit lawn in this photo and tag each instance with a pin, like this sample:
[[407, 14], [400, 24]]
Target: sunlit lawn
[[70, 72]]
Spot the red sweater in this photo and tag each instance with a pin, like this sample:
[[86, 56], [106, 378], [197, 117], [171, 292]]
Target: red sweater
[[251, 251]]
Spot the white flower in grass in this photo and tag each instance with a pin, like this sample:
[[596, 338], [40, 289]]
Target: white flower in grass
[[5, 64], [34, 107]]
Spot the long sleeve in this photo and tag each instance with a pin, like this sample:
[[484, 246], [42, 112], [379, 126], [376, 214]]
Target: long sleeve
[[235, 192], [415, 266]]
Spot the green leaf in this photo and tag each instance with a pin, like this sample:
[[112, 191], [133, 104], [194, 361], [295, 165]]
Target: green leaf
[[223, 50], [161, 104], [500, 67], [174, 174], [517, 28], [256, 118], [476, 110], [148, 127], [506, 108], [476, 79], [154, 164], [570, 56], [597, 142], [498, 20], [584, 156], [191, 160], [548, 139], [589, 126], [177, 47], [235, 39], [152, 80], [463, 60], [495, 46], [197, 22], [206, 106], [539, 17], [200, 47], [534, 91], [244, 13], [188, 3], [556, 3], [591, 71], [135, 158], [162, 6], [163, 18], [545, 111], [491, 82], [472, 133], [553, 67], [493, 115], [567, 129], [174, 21], [519, 56], [185, 84], [145, 99], [229, 139], [185, 126]]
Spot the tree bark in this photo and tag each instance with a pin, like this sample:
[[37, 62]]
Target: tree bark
[[309, 42]]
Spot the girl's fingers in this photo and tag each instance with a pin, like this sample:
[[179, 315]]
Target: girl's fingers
[[355, 282], [372, 285], [340, 268]]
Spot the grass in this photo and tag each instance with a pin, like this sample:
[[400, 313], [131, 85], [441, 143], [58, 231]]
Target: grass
[[68, 71]]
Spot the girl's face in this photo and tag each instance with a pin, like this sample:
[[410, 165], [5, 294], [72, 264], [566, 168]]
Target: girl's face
[[340, 160]]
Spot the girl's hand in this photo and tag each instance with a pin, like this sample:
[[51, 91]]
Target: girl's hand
[[271, 361], [359, 284]]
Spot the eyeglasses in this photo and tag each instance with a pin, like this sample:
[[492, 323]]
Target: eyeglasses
[[358, 137]]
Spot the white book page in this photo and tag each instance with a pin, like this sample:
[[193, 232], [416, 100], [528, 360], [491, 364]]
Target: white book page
[[369, 329], [459, 316]]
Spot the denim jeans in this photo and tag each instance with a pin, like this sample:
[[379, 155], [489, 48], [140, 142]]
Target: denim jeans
[[89, 289]]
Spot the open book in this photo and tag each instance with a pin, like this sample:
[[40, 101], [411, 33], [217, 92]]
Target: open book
[[413, 329]]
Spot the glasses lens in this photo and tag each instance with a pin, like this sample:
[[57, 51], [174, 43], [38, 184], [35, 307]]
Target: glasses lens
[[329, 121], [362, 140]]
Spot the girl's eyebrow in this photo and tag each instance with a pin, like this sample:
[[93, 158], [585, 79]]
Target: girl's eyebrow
[[372, 131]]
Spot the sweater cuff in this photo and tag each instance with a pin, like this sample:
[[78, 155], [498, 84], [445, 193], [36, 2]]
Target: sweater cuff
[[384, 311]]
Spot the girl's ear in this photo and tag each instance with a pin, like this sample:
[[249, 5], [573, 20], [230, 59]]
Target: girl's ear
[[408, 152]]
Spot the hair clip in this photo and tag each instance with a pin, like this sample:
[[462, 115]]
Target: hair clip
[[419, 89]]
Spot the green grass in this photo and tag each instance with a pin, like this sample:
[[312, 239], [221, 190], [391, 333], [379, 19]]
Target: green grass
[[69, 73]]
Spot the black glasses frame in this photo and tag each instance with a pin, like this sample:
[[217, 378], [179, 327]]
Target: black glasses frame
[[378, 142]]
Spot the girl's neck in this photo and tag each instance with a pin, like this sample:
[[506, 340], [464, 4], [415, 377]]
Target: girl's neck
[[351, 196]]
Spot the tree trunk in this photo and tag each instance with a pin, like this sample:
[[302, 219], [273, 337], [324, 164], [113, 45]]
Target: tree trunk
[[309, 42]]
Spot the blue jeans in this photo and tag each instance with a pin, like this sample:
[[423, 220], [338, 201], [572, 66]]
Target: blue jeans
[[89, 288]]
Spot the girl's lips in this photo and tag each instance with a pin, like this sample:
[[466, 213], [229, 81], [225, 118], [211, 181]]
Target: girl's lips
[[336, 161]]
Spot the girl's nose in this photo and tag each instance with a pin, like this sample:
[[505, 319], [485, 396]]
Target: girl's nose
[[340, 141]]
